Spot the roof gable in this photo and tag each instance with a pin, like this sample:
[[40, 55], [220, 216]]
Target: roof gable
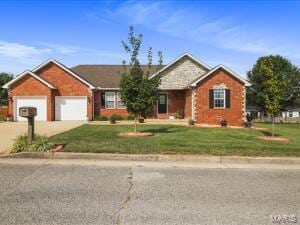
[[72, 73], [178, 59], [224, 68], [28, 72]]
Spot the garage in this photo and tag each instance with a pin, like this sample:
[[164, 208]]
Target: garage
[[70, 108], [39, 102]]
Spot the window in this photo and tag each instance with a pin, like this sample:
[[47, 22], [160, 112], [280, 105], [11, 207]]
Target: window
[[290, 114], [120, 105], [219, 98], [109, 100]]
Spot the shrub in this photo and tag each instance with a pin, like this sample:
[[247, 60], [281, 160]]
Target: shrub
[[112, 120], [249, 117], [141, 120], [39, 144], [3, 118], [191, 122], [223, 123], [101, 118], [117, 117], [130, 117]]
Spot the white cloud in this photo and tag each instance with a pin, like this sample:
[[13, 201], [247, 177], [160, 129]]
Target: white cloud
[[16, 57], [198, 26], [19, 51]]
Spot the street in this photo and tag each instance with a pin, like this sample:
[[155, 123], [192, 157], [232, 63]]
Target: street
[[43, 193]]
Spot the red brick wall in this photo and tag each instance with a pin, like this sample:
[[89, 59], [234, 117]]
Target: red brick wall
[[234, 115], [66, 84], [29, 86], [107, 112]]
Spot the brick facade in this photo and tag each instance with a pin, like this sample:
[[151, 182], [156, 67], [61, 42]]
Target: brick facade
[[234, 115], [175, 83], [98, 110], [29, 86], [66, 85]]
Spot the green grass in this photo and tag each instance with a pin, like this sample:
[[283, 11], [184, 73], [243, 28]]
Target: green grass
[[181, 140]]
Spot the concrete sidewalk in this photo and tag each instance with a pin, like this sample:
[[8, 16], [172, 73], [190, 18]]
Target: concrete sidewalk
[[114, 163], [154, 160]]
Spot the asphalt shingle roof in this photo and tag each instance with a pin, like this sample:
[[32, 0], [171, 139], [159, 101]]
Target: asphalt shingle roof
[[106, 76]]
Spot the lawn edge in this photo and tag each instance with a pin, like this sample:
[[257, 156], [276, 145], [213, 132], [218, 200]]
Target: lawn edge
[[158, 158]]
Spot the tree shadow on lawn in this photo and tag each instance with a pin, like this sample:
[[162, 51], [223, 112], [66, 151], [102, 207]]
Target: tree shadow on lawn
[[163, 130], [268, 133]]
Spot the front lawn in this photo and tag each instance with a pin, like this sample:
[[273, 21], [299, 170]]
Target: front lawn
[[170, 139]]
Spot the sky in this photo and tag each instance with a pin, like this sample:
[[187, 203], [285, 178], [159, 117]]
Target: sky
[[233, 33]]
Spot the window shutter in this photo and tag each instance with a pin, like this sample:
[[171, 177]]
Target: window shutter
[[211, 98], [102, 100], [227, 98]]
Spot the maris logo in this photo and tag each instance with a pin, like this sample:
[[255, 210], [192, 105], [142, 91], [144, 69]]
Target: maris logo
[[284, 219]]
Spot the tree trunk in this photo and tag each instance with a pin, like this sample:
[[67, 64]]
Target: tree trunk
[[273, 125], [135, 124]]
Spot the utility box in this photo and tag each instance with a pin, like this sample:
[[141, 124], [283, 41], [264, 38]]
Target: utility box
[[27, 111]]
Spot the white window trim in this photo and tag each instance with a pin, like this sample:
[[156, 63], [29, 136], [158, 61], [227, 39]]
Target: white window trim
[[224, 91], [119, 97], [107, 101]]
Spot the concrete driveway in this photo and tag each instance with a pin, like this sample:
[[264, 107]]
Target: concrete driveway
[[10, 130]]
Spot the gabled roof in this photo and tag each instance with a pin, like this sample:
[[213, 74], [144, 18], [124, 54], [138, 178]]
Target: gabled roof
[[179, 58], [28, 72], [224, 68], [65, 69], [107, 76]]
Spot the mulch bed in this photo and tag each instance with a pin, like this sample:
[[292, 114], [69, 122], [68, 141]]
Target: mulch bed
[[138, 134], [270, 138]]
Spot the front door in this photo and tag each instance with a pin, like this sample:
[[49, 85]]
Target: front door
[[162, 103]]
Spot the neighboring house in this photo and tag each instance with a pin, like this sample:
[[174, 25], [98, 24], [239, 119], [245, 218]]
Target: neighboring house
[[255, 111], [291, 113], [204, 94]]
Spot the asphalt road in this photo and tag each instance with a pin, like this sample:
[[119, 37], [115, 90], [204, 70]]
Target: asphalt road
[[81, 194]]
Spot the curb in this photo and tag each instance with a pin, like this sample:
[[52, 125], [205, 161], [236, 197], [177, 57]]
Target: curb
[[158, 158]]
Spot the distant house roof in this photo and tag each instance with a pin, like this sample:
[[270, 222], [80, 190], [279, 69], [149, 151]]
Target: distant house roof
[[107, 76], [253, 108], [293, 108]]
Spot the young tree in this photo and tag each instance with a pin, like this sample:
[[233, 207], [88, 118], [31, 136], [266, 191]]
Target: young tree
[[284, 71], [273, 88], [4, 78], [137, 91]]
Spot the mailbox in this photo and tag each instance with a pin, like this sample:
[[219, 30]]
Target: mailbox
[[27, 111]]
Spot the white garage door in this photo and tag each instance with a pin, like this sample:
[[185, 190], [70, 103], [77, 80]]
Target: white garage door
[[39, 102], [70, 108]]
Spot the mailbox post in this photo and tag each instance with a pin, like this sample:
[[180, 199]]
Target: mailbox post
[[29, 113]]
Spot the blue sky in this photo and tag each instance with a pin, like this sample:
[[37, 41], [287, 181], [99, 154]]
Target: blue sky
[[233, 33]]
